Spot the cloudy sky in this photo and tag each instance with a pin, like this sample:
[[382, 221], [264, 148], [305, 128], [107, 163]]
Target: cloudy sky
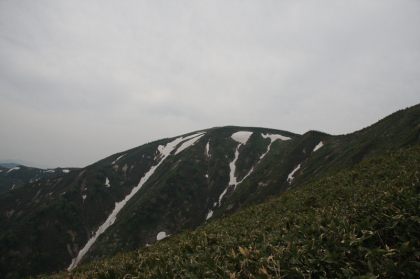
[[81, 80]]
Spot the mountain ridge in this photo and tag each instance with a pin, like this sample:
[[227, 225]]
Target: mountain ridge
[[55, 218]]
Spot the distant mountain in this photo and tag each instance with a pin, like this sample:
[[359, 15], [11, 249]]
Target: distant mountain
[[131, 199], [17, 162], [8, 165]]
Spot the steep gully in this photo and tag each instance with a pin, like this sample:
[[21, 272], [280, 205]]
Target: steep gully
[[242, 137]]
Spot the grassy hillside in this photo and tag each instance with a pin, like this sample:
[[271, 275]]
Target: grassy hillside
[[360, 222]]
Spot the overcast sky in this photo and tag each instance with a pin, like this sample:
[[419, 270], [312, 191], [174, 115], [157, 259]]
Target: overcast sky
[[81, 80]]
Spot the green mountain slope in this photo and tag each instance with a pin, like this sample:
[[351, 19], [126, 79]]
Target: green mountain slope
[[361, 222], [16, 176], [127, 200]]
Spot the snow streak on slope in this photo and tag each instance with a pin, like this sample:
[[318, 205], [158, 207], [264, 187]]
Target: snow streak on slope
[[272, 138], [208, 149], [188, 143], [209, 214], [232, 167], [290, 177], [107, 182], [118, 158], [321, 144], [15, 168], [165, 151], [242, 138]]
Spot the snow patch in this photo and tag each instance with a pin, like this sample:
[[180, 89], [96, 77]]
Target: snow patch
[[13, 186], [15, 168], [188, 143], [165, 151], [118, 158], [275, 137], [84, 197], [161, 236], [232, 167], [107, 182], [241, 137], [51, 171], [290, 177], [208, 149], [209, 214], [222, 194], [321, 144], [66, 171]]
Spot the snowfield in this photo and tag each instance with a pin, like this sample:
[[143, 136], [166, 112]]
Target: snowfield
[[241, 137]]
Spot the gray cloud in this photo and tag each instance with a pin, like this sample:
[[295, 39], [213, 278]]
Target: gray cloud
[[82, 80]]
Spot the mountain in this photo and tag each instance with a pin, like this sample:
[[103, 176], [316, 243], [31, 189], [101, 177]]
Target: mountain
[[14, 176], [11, 163], [362, 222], [8, 165], [131, 199]]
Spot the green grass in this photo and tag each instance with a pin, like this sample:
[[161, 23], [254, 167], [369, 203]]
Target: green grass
[[362, 222]]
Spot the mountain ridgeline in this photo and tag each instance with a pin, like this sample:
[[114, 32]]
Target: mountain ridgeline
[[134, 198]]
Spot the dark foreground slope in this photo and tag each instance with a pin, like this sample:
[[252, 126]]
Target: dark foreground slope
[[361, 222]]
